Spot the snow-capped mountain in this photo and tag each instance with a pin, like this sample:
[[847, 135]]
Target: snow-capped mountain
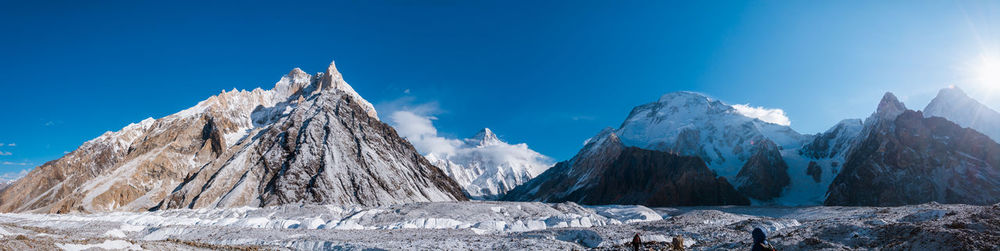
[[606, 171], [953, 104], [487, 167], [295, 138], [692, 124], [904, 157]]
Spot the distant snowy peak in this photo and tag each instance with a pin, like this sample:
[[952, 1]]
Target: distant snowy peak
[[484, 137], [487, 167], [954, 105]]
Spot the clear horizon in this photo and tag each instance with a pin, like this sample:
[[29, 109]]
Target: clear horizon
[[546, 75]]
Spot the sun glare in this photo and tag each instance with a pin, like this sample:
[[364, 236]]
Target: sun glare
[[988, 72]]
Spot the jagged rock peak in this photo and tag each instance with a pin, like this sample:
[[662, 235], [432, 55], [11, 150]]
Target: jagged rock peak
[[297, 72], [332, 79], [890, 107]]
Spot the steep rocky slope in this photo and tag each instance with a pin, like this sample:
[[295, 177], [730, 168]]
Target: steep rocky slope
[[903, 157], [327, 151], [606, 171], [137, 167]]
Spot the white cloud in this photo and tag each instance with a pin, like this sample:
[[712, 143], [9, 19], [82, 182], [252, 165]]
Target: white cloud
[[776, 116], [11, 144], [420, 131], [15, 163], [2, 153]]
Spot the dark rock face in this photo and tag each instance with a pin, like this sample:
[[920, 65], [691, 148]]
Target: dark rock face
[[815, 171], [606, 172], [765, 174], [656, 178], [911, 159]]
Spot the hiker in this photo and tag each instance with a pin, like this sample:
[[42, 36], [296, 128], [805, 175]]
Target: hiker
[[636, 243], [677, 244], [760, 241]]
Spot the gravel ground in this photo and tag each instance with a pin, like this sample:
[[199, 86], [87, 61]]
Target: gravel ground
[[510, 226]]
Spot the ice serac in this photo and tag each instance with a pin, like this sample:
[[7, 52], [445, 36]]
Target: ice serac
[[137, 167], [903, 157], [953, 104], [487, 167], [606, 171]]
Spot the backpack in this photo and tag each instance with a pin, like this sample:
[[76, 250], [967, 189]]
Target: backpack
[[764, 247]]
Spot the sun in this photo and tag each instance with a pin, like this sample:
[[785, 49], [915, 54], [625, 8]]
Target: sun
[[988, 71]]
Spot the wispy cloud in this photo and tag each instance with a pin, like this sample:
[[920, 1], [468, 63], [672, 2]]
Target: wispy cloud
[[776, 116], [413, 122], [16, 163], [2, 153]]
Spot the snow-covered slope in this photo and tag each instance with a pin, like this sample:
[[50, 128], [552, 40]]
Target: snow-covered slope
[[487, 167], [953, 104], [136, 167]]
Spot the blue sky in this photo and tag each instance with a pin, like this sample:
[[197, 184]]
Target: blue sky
[[549, 74]]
